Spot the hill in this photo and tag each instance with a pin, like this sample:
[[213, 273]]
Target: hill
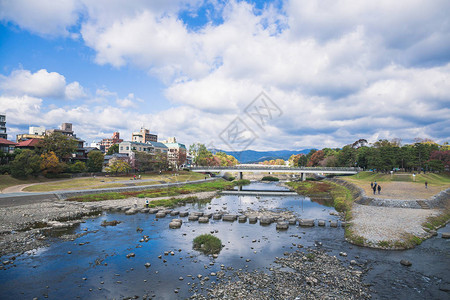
[[252, 156]]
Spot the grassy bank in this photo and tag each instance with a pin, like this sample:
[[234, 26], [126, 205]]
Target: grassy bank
[[156, 193], [111, 181], [436, 179], [341, 196]]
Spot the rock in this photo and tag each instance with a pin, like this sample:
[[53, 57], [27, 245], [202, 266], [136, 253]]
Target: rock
[[229, 218], [208, 215], [184, 214], [160, 215], [321, 223], [174, 225], [131, 211], [282, 225], [306, 222], [343, 254], [147, 265], [69, 252], [193, 218], [445, 287], [334, 224], [406, 262], [217, 216], [177, 220], [131, 255], [180, 278], [197, 213], [265, 221], [153, 210], [174, 213], [252, 220], [292, 221], [446, 235], [242, 219], [353, 262], [203, 220]]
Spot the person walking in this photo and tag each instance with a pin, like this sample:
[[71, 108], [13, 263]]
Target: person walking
[[371, 185], [379, 189], [375, 184], [426, 184], [374, 189]]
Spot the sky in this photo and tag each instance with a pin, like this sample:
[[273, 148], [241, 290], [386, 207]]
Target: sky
[[233, 75]]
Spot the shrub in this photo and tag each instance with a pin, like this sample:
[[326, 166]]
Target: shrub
[[270, 178], [207, 244], [5, 169], [241, 182]]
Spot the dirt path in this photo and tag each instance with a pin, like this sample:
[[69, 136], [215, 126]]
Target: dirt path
[[402, 190], [17, 188]]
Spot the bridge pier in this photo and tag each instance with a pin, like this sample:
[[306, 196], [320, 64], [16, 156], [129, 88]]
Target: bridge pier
[[241, 176], [303, 176]]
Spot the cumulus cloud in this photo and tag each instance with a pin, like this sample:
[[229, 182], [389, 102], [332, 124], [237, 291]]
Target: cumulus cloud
[[338, 70], [40, 84]]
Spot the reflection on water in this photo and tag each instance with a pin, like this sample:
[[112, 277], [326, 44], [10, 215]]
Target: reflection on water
[[99, 268]]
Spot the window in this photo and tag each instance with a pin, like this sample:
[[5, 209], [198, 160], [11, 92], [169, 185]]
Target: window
[[128, 148], [121, 147]]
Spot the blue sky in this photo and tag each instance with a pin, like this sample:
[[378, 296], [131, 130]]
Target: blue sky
[[333, 71]]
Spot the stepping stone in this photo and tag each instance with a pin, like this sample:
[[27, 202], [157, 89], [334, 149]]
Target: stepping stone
[[153, 210], [160, 215], [184, 214], [321, 223], [252, 220], [306, 222], [203, 220], [292, 221], [282, 225], [229, 218], [174, 213], [242, 219], [193, 218], [208, 215], [131, 211], [265, 221], [174, 225], [334, 224], [446, 235], [217, 216]]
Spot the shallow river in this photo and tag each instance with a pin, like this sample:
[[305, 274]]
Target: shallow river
[[99, 268]]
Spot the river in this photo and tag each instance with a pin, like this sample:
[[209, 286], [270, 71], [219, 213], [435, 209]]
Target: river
[[98, 268]]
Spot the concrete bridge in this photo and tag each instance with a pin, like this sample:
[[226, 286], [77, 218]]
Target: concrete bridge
[[276, 169]]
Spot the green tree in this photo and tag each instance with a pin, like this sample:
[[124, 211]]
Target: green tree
[[160, 161], [78, 167], [113, 149], [95, 161], [63, 146], [116, 165], [25, 164], [201, 155], [143, 161], [347, 156]]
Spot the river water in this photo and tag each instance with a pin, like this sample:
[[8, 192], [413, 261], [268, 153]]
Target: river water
[[98, 268]]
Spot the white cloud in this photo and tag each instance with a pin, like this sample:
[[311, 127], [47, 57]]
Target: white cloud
[[41, 84], [75, 91]]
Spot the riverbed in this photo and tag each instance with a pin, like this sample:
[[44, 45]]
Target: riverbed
[[91, 261]]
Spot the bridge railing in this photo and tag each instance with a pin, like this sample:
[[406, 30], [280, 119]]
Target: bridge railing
[[262, 168]]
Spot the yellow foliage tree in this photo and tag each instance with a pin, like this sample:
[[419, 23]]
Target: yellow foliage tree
[[50, 163]]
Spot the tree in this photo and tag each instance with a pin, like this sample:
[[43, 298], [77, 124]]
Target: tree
[[50, 163], [25, 164], [201, 155], [160, 161], [78, 167], [347, 156], [116, 165], [95, 161], [63, 146], [113, 149], [143, 161], [315, 158], [224, 159]]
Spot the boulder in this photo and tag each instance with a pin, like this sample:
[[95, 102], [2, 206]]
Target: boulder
[[406, 262], [174, 225], [160, 215], [184, 213], [131, 211], [174, 213], [153, 210], [306, 222], [321, 223], [208, 215], [334, 224], [197, 213], [292, 221], [446, 235]]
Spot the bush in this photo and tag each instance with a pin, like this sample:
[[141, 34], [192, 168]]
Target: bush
[[5, 169], [241, 182], [207, 244], [78, 167], [270, 178], [61, 175]]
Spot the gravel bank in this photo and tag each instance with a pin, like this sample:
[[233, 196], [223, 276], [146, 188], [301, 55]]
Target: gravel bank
[[299, 275]]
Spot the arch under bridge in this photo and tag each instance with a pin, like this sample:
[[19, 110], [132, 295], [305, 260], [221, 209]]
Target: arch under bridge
[[276, 169]]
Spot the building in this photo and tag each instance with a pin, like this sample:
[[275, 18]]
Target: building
[[33, 133], [177, 152], [106, 143], [3, 134], [28, 144], [149, 147], [66, 129], [143, 136], [7, 146]]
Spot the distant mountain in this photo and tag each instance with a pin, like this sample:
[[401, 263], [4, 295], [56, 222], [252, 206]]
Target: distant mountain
[[251, 156]]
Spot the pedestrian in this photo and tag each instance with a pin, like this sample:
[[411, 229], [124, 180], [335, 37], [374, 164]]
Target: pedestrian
[[146, 203], [139, 176], [371, 185], [426, 184], [375, 184], [134, 177], [374, 189], [379, 189]]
